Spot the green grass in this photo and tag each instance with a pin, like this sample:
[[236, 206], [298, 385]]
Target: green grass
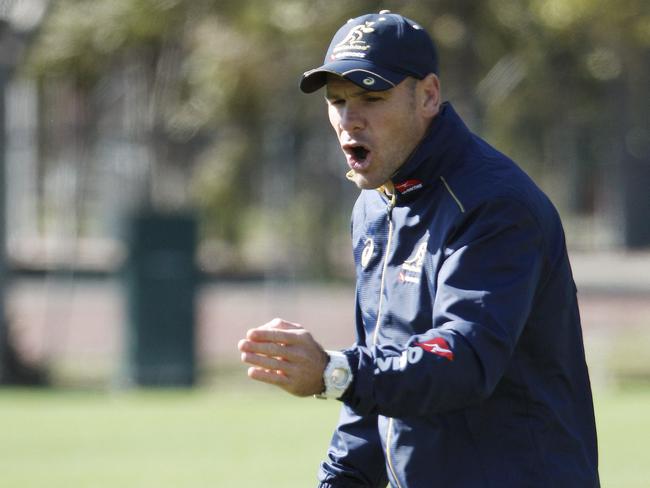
[[161, 439], [623, 421], [225, 435]]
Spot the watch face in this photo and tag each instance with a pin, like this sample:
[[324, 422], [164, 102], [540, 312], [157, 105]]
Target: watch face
[[339, 377]]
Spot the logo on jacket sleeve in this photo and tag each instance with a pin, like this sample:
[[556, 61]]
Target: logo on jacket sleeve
[[437, 346], [413, 355]]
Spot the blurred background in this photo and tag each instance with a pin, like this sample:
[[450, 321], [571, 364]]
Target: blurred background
[[164, 186]]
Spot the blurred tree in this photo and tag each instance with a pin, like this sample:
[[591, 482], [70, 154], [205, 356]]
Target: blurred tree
[[221, 88], [561, 85], [584, 93], [18, 24]]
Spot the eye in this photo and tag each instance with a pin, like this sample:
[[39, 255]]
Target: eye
[[336, 101], [372, 98]]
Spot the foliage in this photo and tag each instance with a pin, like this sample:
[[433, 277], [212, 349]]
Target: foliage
[[560, 85]]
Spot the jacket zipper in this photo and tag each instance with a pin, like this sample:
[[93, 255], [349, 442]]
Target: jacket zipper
[[389, 211], [383, 275], [389, 436]]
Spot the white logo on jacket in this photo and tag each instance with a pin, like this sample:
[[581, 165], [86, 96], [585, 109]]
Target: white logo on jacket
[[368, 251], [412, 267], [411, 355]]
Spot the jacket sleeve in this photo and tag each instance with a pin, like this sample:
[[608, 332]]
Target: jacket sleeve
[[484, 291], [355, 458]]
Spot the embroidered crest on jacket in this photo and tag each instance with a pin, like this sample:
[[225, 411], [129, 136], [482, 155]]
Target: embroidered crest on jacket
[[412, 267]]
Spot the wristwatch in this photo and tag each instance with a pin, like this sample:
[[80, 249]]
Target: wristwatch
[[337, 376]]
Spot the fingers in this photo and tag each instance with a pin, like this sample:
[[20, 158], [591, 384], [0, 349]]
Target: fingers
[[272, 335], [273, 349], [284, 354], [278, 331], [265, 362], [268, 376]]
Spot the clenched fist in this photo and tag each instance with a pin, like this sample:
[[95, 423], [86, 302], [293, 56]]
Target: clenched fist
[[285, 354]]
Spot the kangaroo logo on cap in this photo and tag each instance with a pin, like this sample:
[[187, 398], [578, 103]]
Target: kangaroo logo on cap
[[354, 42]]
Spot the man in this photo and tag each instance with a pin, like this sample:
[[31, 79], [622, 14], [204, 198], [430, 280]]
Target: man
[[469, 369]]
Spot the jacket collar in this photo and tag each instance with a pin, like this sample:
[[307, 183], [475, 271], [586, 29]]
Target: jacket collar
[[436, 154]]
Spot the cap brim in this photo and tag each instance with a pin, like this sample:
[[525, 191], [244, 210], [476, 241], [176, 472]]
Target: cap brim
[[360, 72]]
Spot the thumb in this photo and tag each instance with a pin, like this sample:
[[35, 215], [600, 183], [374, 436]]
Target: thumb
[[278, 323]]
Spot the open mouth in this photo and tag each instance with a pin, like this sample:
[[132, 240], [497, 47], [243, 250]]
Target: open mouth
[[360, 153]]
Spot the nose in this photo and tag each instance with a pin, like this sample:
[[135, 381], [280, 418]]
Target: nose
[[351, 119]]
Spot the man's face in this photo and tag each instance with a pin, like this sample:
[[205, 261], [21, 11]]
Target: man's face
[[377, 131]]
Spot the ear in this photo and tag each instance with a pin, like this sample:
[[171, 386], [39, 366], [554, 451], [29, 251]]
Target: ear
[[430, 93]]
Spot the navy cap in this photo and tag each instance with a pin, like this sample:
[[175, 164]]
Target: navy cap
[[376, 52]]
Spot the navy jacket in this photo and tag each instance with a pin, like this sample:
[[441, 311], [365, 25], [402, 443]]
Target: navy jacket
[[469, 367]]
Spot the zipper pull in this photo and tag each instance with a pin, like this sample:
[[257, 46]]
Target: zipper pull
[[388, 189], [390, 207]]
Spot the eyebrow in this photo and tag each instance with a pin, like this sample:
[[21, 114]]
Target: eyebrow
[[356, 94]]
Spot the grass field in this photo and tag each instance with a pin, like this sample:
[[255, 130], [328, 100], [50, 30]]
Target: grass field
[[224, 435]]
